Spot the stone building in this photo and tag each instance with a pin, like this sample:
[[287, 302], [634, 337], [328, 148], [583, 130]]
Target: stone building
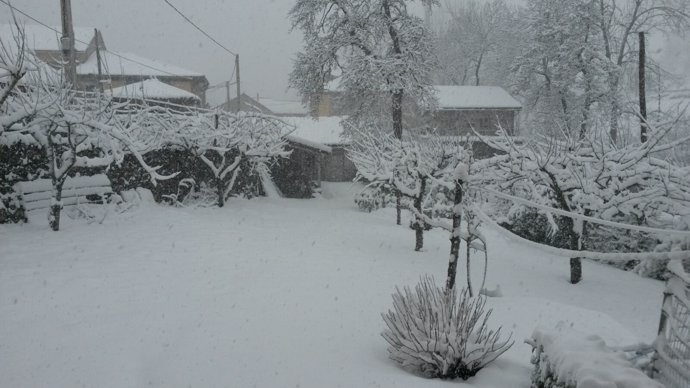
[[462, 109]]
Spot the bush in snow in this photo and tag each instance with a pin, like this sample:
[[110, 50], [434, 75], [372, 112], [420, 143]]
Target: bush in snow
[[441, 334], [374, 197], [565, 358]]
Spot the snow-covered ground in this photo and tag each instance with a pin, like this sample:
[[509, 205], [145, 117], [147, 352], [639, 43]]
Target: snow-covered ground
[[266, 293]]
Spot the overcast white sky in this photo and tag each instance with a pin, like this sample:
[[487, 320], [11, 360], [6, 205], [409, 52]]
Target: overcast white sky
[[258, 30]]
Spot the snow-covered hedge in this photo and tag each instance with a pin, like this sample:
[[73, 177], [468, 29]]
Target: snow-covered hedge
[[437, 334], [565, 358]]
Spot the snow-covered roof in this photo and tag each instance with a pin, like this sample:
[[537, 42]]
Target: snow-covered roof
[[152, 89], [284, 107], [474, 97], [136, 65], [309, 144], [324, 130], [39, 37]]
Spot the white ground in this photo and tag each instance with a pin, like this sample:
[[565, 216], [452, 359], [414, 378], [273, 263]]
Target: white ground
[[265, 293]]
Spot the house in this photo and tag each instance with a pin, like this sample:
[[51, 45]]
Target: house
[[247, 104], [155, 90], [127, 68], [462, 109], [284, 108], [44, 42], [334, 166], [117, 69]]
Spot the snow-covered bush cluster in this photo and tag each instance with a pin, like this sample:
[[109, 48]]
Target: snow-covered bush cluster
[[374, 197], [85, 133], [565, 358], [435, 333], [590, 177]]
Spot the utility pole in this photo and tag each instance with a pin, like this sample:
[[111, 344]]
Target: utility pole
[[67, 42], [98, 60], [227, 94], [237, 80], [643, 100]]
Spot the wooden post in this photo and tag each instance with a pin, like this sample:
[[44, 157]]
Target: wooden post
[[642, 82], [67, 42], [227, 94], [98, 61], [237, 80]]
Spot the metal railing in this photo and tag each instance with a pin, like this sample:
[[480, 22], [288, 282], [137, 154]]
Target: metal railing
[[672, 356]]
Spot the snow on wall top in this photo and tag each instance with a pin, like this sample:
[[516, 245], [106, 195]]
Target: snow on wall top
[[469, 97], [152, 88], [324, 130], [42, 38], [115, 65]]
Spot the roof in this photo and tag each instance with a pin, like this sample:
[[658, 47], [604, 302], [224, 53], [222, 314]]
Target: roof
[[474, 97], [324, 130], [116, 65], [248, 104], [39, 37], [152, 89], [284, 107], [308, 144]]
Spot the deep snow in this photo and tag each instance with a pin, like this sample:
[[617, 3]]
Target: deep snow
[[267, 293]]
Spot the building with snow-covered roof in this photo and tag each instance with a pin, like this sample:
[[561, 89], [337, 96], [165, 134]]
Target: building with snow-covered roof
[[116, 69], [154, 90], [44, 42], [462, 109], [126, 68], [284, 108], [334, 166], [247, 104]]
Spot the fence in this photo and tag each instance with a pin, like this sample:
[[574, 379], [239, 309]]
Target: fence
[[672, 358]]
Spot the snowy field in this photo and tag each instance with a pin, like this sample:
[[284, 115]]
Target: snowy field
[[266, 293]]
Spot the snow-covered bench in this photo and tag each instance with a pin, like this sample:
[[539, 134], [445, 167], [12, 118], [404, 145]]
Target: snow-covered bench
[[37, 194]]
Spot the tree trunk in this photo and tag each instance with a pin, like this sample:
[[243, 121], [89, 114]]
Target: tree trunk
[[575, 262], [221, 192], [398, 209], [575, 270], [418, 222], [455, 238], [397, 100], [56, 205], [642, 92]]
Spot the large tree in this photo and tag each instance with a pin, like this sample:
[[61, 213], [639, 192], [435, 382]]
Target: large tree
[[573, 67], [375, 47], [477, 42]]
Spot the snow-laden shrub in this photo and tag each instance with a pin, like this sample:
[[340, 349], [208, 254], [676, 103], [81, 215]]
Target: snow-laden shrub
[[374, 197], [437, 334], [565, 358]]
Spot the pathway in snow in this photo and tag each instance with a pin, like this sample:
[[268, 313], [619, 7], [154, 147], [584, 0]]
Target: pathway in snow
[[265, 293]]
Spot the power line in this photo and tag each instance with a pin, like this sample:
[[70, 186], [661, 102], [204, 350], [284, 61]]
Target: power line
[[86, 43], [199, 28]]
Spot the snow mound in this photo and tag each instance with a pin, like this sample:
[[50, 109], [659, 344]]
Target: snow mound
[[566, 357]]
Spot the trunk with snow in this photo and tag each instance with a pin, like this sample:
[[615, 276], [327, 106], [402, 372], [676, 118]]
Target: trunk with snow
[[397, 113], [419, 222], [56, 204], [398, 207], [220, 189], [455, 237]]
